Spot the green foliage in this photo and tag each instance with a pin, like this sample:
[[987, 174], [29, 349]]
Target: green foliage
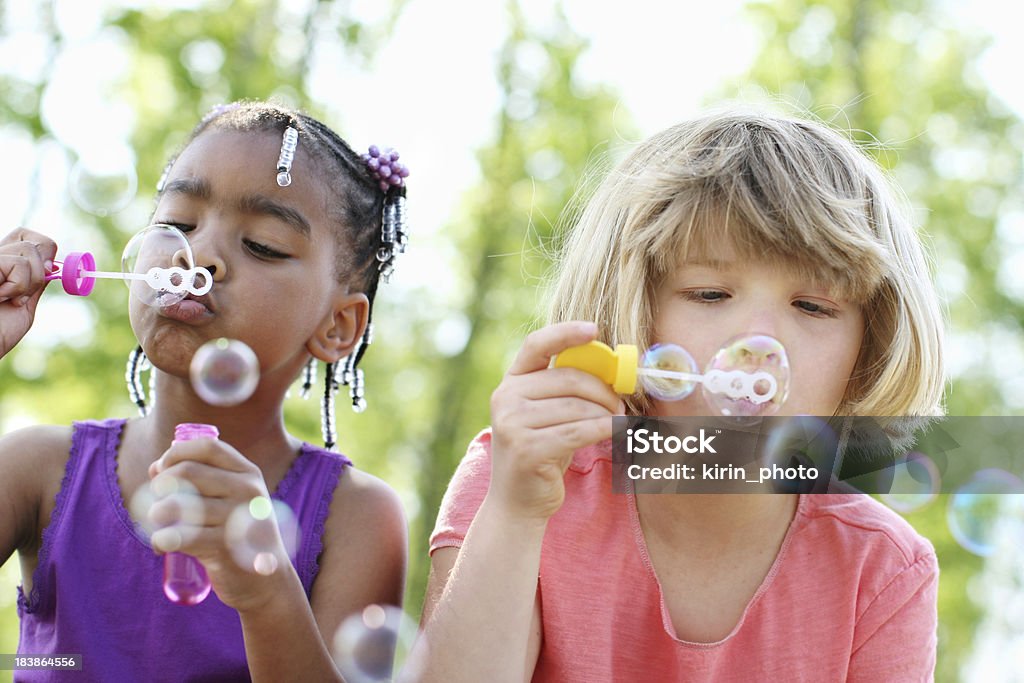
[[547, 132], [902, 79], [898, 74]]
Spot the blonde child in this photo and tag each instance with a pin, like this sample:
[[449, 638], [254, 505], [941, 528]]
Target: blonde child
[[288, 220], [736, 223]]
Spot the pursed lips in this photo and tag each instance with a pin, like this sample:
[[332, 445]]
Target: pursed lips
[[191, 309]]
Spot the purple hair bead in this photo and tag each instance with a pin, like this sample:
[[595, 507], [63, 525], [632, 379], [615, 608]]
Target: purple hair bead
[[384, 167]]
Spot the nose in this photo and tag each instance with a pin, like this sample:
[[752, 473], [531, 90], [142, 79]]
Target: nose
[[754, 348], [760, 318], [204, 256], [753, 332]]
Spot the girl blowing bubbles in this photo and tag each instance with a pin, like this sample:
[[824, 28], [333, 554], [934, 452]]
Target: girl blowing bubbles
[[295, 268], [736, 223]]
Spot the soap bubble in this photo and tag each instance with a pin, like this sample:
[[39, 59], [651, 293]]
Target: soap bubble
[[374, 644], [168, 505], [979, 506], [158, 246], [672, 358], [224, 372], [742, 374], [801, 441], [915, 483], [103, 184], [255, 530]]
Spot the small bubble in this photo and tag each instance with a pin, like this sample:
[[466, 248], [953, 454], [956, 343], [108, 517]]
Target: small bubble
[[674, 359], [981, 505], [801, 441], [169, 506], [103, 184], [915, 483], [257, 531], [224, 372], [379, 644]]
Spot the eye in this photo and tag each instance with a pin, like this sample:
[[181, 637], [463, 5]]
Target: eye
[[263, 251], [704, 296], [816, 309], [180, 226]]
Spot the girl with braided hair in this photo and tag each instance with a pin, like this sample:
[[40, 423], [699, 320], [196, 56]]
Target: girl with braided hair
[[296, 230]]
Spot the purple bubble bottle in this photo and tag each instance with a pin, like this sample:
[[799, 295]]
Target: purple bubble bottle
[[185, 579]]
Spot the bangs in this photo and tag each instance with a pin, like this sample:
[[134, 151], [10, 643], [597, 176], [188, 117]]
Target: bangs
[[824, 238]]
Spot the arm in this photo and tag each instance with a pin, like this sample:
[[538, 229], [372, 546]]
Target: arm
[[31, 470], [363, 561], [895, 638], [482, 619], [19, 500], [443, 566], [23, 258]]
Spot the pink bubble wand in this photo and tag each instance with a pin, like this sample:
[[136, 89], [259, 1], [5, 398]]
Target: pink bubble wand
[[77, 274]]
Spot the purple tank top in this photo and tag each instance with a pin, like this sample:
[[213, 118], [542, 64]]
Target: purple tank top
[[97, 589]]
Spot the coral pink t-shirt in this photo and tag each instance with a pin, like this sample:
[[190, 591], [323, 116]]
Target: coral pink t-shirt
[[851, 595]]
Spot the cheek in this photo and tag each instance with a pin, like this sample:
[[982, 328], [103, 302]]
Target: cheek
[[821, 370]]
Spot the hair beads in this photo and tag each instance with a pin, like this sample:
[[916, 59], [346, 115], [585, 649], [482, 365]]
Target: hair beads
[[289, 142]]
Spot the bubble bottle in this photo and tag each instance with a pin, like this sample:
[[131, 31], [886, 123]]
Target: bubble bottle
[[185, 579], [224, 372]]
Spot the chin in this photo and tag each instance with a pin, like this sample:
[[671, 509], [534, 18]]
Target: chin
[[169, 349]]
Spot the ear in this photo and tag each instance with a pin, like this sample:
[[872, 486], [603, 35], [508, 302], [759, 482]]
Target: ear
[[340, 330]]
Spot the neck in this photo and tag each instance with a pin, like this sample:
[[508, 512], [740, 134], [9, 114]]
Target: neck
[[719, 520], [255, 427]]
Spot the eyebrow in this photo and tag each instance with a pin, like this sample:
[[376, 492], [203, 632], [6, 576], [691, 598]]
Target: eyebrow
[[199, 188], [257, 203], [190, 187]]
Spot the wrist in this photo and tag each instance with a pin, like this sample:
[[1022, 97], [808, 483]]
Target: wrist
[[496, 509], [277, 594]]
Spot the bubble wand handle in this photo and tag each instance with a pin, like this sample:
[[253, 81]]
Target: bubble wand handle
[[185, 578]]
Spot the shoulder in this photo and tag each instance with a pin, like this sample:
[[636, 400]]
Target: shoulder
[[366, 503], [869, 548], [39, 440], [470, 480], [32, 463], [464, 495], [36, 452], [366, 523], [859, 519]]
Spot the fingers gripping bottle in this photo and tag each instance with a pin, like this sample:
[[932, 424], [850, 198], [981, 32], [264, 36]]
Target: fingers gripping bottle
[[185, 579]]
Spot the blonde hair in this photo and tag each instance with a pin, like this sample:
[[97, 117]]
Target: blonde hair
[[774, 187]]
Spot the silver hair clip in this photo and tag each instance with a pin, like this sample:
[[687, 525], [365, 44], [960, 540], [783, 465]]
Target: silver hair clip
[[284, 162]]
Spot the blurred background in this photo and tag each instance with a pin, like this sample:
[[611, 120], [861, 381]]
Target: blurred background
[[499, 108]]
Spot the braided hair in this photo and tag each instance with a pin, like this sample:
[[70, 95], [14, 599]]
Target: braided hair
[[369, 215]]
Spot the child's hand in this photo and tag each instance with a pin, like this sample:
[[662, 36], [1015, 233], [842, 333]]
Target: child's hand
[[26, 258], [224, 480], [540, 415]]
